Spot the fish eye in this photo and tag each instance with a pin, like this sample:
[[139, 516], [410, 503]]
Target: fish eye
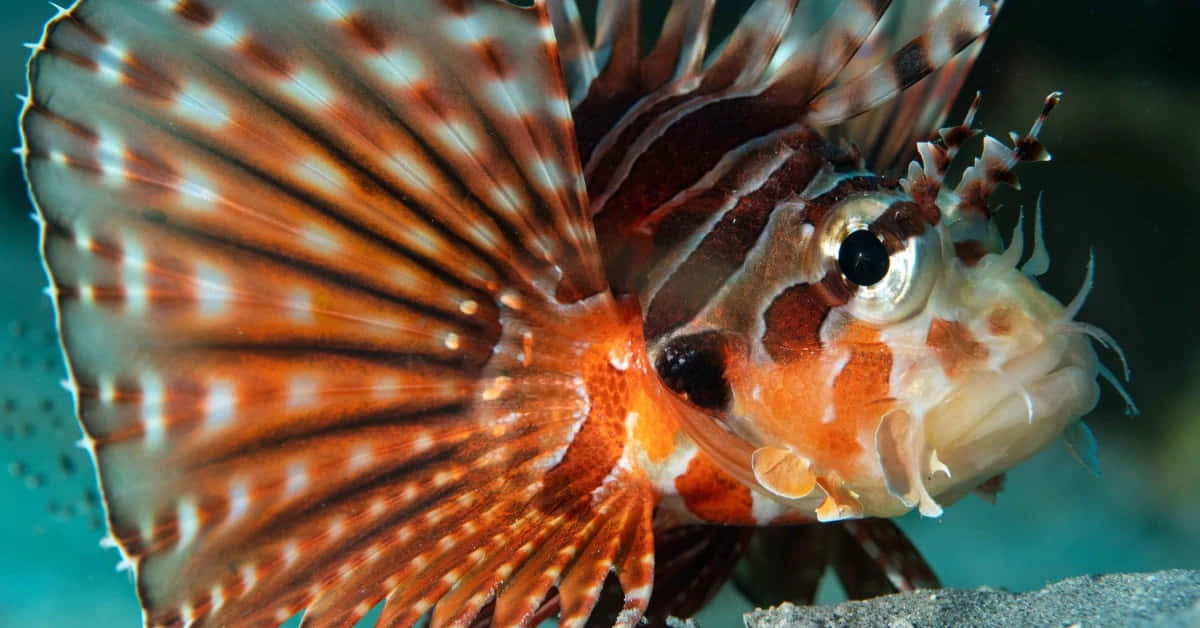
[[890, 282], [862, 258]]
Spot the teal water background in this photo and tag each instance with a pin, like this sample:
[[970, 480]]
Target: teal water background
[[1123, 182]]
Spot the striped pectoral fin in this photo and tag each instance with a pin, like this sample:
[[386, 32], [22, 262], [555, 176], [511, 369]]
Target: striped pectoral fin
[[693, 563], [876, 558], [548, 562], [871, 557], [310, 130], [578, 591], [785, 563], [308, 258]]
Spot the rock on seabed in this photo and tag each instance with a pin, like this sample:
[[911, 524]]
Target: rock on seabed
[[1163, 598]]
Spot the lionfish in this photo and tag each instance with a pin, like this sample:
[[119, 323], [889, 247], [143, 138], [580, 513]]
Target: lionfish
[[453, 308]]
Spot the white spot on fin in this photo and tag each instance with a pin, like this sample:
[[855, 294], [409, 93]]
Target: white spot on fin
[[219, 405], [154, 422], [189, 521]]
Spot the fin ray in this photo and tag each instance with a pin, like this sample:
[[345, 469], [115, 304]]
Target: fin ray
[[319, 274]]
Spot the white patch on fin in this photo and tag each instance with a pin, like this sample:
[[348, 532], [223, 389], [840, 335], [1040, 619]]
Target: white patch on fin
[[297, 479], [198, 104], [463, 29], [309, 89], [226, 31], [212, 288], [189, 521], [398, 67], [300, 307], [301, 392], [219, 405], [153, 421], [239, 500], [331, 10]]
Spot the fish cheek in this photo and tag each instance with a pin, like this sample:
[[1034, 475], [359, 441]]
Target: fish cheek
[[785, 397], [818, 398]]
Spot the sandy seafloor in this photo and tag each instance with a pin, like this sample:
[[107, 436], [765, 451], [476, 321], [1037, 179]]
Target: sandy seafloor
[[1123, 183]]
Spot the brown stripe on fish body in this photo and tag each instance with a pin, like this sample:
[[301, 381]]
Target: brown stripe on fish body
[[658, 173], [689, 288], [847, 187], [673, 223], [621, 84], [699, 277], [604, 108], [674, 229], [684, 153], [793, 319]]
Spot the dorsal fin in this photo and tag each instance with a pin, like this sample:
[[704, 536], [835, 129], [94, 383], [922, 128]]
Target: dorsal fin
[[787, 65], [320, 271], [888, 134]]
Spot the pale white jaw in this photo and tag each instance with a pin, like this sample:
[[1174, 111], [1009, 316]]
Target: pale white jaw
[[1039, 376], [995, 421]]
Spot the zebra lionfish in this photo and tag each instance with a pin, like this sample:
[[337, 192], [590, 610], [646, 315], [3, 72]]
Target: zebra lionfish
[[453, 308]]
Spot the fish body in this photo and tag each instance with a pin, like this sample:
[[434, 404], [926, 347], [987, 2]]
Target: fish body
[[450, 306]]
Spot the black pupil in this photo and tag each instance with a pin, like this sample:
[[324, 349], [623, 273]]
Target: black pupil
[[863, 258]]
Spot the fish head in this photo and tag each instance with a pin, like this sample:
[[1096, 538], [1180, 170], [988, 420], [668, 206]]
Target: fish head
[[892, 353], [938, 362]]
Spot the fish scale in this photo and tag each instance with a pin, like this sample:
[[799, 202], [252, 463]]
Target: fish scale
[[452, 307]]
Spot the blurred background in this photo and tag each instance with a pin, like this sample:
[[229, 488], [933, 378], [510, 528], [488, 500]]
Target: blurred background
[[1124, 182]]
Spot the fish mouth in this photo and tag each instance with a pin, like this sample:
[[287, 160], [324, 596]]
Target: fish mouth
[[1043, 375], [929, 452], [998, 419]]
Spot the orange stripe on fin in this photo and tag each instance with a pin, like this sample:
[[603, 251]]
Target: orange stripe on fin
[[324, 279]]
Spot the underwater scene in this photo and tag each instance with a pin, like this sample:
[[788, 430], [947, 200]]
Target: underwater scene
[[1122, 187]]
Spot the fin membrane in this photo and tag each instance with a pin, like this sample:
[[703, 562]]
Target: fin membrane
[[870, 557], [319, 269]]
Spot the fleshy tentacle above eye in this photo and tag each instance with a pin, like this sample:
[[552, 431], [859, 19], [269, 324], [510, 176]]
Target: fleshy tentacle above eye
[[319, 275]]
